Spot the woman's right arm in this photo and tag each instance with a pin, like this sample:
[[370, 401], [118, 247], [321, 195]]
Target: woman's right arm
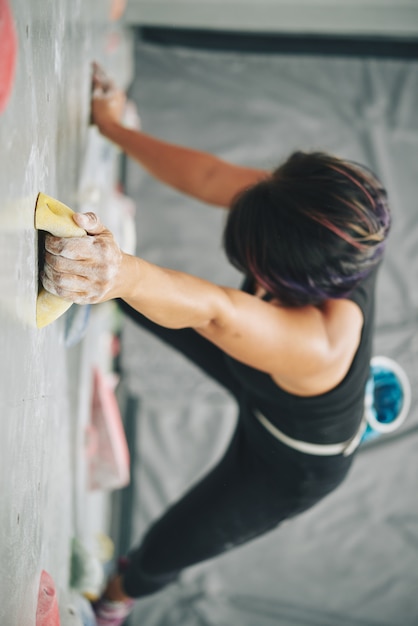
[[198, 174], [195, 173]]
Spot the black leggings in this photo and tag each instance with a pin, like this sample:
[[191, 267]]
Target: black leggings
[[258, 483]]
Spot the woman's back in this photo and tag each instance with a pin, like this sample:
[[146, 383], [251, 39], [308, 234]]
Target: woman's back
[[329, 417]]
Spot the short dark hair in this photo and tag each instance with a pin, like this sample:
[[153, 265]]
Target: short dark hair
[[310, 232]]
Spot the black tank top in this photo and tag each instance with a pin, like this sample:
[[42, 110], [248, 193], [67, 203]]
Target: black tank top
[[331, 417]]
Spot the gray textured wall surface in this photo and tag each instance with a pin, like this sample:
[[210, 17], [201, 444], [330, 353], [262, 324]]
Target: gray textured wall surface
[[44, 387]]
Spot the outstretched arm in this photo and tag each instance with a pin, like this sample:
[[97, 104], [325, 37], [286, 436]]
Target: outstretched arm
[[270, 338], [195, 173]]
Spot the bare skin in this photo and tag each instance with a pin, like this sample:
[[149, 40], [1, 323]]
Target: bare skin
[[307, 350], [195, 173]]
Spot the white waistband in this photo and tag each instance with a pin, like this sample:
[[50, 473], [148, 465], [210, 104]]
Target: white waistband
[[346, 448]]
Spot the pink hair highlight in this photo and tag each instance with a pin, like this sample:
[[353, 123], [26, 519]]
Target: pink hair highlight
[[353, 180], [337, 231]]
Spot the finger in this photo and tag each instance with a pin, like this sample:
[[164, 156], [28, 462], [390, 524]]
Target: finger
[[101, 79], [102, 92], [98, 71], [90, 222], [67, 286], [71, 287], [76, 248], [98, 93], [57, 279], [64, 265]]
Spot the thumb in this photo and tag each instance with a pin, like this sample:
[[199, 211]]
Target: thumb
[[90, 222]]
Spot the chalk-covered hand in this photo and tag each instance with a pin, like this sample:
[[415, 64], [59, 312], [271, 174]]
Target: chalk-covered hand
[[84, 270], [108, 102]]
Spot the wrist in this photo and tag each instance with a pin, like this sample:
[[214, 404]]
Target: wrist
[[109, 128], [127, 277]]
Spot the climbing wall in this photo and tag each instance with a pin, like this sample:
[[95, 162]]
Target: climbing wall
[[45, 384]]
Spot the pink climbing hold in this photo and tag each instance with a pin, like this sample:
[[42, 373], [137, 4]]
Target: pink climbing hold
[[47, 612], [8, 52]]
